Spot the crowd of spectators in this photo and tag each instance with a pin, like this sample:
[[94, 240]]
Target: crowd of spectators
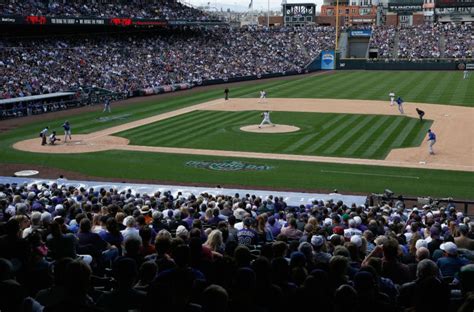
[[124, 62], [424, 41], [383, 39], [69, 248], [418, 42], [459, 40], [127, 61], [154, 9]]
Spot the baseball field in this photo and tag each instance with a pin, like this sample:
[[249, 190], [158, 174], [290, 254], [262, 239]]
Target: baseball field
[[333, 130]]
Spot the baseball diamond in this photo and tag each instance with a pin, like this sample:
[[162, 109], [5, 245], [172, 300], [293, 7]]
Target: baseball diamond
[[331, 130]]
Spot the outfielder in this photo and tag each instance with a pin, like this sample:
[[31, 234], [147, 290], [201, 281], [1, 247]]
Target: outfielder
[[466, 74], [431, 140], [266, 119], [67, 131], [107, 106], [263, 96], [400, 105], [392, 98]]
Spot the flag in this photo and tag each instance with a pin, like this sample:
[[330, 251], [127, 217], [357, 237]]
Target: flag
[[251, 4]]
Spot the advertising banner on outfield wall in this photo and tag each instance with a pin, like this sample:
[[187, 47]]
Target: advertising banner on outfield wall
[[328, 59]]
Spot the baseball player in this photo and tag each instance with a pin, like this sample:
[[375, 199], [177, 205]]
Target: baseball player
[[263, 96], [44, 135], [226, 94], [431, 140], [266, 119], [420, 114], [52, 138], [392, 98], [67, 131], [107, 106], [400, 105], [466, 74]]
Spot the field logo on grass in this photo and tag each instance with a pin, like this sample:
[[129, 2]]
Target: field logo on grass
[[228, 166], [112, 118]]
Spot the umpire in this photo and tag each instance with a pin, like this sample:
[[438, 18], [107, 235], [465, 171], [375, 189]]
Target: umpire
[[420, 114], [226, 93]]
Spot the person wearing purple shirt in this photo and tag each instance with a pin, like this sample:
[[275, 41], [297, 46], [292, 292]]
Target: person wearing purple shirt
[[275, 227]]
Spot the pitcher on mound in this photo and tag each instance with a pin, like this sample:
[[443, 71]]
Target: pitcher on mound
[[266, 119]]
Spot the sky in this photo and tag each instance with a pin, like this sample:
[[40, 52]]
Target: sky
[[242, 5]]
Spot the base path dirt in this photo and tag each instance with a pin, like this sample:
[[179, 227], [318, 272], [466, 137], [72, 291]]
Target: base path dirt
[[452, 124]]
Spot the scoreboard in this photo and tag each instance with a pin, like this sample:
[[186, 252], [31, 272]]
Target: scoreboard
[[298, 14]]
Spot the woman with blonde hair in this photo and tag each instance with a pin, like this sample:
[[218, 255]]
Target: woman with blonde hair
[[215, 242]]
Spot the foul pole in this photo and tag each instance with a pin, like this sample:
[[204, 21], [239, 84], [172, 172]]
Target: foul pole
[[337, 25]]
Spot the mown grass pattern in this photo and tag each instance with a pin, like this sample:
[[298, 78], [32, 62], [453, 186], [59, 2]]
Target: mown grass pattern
[[348, 135], [446, 87]]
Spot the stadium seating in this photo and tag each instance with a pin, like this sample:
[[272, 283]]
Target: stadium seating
[[144, 250]]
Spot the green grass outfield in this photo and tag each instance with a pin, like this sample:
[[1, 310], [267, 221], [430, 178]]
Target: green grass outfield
[[339, 135], [428, 87]]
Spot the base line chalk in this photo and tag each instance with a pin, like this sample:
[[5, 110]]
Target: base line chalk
[[372, 174]]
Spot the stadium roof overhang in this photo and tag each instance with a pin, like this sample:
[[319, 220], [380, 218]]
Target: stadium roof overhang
[[35, 98]]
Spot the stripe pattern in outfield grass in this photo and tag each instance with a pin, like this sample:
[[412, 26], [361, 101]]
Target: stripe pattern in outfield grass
[[347, 135], [445, 87]]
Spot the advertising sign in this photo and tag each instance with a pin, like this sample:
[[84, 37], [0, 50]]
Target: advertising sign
[[328, 59]]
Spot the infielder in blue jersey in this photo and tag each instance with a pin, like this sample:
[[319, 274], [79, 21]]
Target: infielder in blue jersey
[[67, 131], [400, 104], [431, 140]]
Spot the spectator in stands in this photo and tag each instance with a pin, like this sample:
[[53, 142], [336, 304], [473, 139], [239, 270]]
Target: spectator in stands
[[463, 241], [450, 263]]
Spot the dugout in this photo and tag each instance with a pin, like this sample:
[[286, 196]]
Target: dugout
[[37, 104]]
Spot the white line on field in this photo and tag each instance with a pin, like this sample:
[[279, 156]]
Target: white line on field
[[372, 174]]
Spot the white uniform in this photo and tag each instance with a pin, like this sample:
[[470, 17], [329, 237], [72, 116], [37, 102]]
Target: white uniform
[[466, 74], [266, 119], [263, 96], [392, 98]]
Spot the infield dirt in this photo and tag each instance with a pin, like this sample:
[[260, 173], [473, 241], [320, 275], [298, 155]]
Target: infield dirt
[[452, 124]]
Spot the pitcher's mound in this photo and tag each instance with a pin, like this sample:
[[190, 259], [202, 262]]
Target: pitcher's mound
[[270, 128]]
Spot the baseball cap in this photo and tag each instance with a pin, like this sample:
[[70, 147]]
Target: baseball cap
[[317, 240], [338, 230], [449, 247], [421, 243], [356, 240], [181, 230]]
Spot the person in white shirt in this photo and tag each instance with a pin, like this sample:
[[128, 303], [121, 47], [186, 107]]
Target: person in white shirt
[[266, 119], [352, 230], [392, 98], [263, 96], [130, 231]]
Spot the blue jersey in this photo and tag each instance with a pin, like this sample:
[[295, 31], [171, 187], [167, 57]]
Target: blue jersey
[[399, 101], [431, 136], [66, 127]]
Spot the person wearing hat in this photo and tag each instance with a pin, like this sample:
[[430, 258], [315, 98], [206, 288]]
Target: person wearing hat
[[450, 263], [44, 135], [320, 255]]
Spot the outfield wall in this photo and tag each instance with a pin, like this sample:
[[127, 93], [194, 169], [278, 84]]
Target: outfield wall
[[363, 64]]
